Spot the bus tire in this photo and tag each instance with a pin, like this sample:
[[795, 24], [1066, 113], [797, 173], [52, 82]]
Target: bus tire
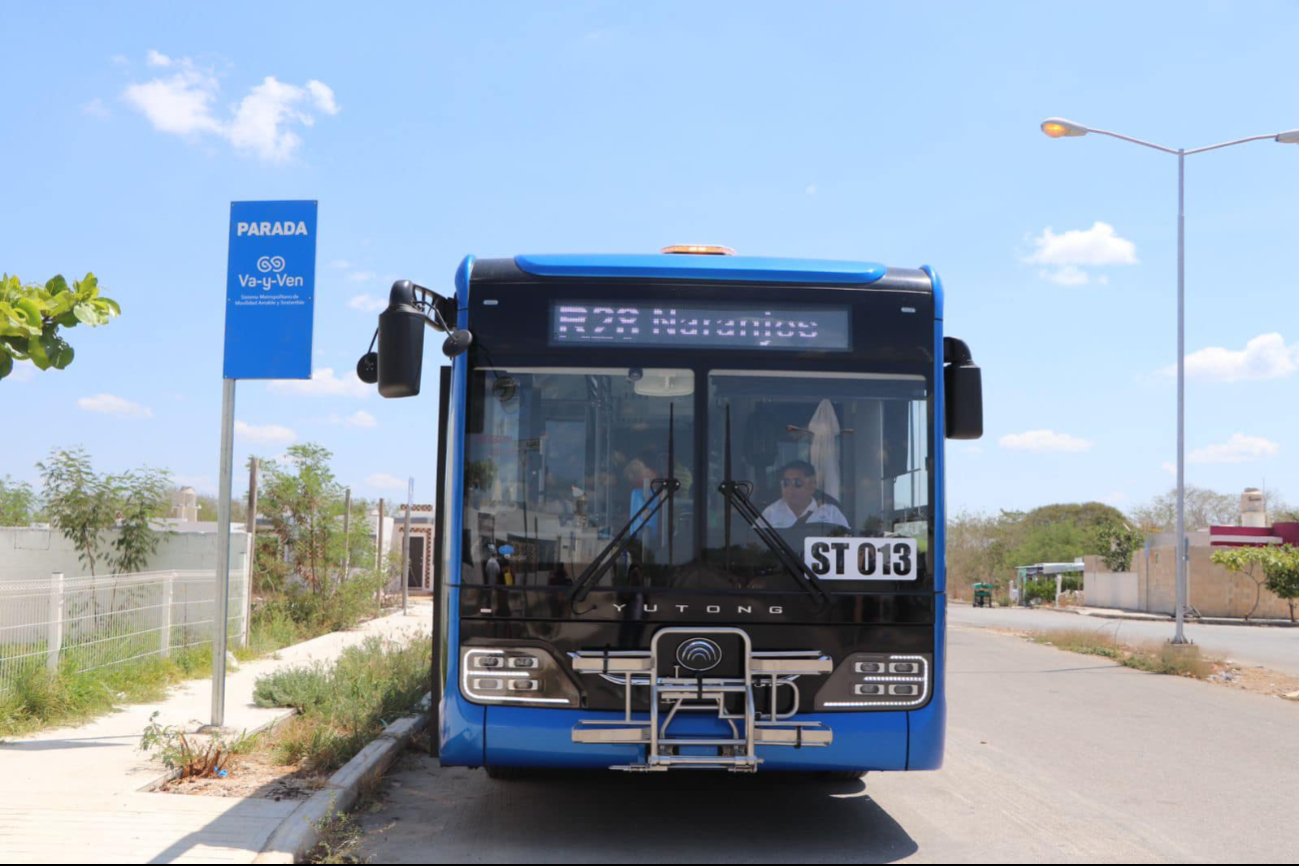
[[504, 774]]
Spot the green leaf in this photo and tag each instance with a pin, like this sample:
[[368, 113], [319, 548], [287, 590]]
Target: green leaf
[[88, 288], [56, 285], [86, 313], [67, 320], [6, 363], [108, 306], [37, 353], [59, 353]]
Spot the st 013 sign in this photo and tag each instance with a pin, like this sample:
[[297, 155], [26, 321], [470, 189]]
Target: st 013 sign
[[861, 558]]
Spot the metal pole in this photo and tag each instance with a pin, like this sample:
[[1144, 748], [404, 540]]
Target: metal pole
[[347, 534], [405, 546], [1179, 636], [380, 561], [252, 547], [221, 604]]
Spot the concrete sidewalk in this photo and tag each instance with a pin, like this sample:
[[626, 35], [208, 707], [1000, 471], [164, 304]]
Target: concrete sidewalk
[[73, 795]]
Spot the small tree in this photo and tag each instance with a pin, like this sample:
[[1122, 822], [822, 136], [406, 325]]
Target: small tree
[[32, 315], [17, 502], [1118, 542], [1248, 561], [141, 497], [80, 503], [304, 503], [1282, 568]]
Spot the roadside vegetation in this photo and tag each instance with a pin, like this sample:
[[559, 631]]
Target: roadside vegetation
[[309, 578], [1179, 661], [987, 548], [344, 706]]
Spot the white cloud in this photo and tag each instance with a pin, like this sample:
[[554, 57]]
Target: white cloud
[[1169, 467], [1066, 275], [323, 96], [384, 481], [1097, 246], [180, 104], [361, 418], [1238, 449], [340, 264], [1116, 498], [811, 189], [108, 404], [261, 123], [1265, 357], [267, 434], [362, 276], [96, 108], [323, 383], [1044, 441], [367, 303]]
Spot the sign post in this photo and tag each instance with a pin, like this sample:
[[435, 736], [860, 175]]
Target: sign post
[[270, 303]]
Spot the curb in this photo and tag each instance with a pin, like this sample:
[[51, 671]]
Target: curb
[[298, 833], [1204, 620]]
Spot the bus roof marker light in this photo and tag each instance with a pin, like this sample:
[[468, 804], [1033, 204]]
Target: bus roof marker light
[[697, 250], [1058, 127]]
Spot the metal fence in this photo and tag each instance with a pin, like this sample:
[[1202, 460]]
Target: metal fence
[[78, 624]]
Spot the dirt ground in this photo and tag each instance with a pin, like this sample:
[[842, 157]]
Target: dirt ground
[[254, 775], [1226, 672]]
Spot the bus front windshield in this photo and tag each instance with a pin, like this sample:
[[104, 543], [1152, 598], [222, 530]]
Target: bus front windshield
[[561, 462]]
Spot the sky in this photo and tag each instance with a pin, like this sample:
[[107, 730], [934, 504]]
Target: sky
[[906, 134]]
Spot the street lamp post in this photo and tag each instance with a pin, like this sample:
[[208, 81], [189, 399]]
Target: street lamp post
[[1058, 127]]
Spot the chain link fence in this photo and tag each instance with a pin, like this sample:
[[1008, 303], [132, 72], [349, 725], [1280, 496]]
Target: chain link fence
[[79, 624]]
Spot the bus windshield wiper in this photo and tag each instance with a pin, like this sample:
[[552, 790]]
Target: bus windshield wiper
[[737, 498], [662, 491]]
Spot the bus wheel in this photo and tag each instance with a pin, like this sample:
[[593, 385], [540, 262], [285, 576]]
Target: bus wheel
[[504, 774]]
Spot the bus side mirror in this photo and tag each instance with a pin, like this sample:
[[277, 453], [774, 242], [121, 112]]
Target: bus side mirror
[[401, 343], [963, 386]]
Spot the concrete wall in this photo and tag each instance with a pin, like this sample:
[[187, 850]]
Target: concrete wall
[[1118, 589], [27, 554], [1214, 591]]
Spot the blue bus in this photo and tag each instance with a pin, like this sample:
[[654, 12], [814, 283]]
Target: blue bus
[[690, 509]]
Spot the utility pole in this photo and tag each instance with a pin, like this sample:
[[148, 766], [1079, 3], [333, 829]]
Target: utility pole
[[253, 466], [379, 557], [347, 534]]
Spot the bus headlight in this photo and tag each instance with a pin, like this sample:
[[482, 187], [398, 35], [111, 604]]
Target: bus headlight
[[878, 681], [515, 675]]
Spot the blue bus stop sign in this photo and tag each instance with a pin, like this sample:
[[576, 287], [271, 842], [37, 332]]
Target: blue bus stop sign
[[270, 290]]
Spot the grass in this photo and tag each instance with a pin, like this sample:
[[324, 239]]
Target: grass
[[38, 698], [343, 707], [340, 837], [1180, 661]]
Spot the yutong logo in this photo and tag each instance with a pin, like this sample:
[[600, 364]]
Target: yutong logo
[[774, 610], [699, 654]]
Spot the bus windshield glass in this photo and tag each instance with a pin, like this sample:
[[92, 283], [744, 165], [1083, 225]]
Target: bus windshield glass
[[562, 461]]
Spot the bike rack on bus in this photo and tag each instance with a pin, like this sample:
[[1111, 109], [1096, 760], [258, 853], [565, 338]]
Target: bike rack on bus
[[637, 669]]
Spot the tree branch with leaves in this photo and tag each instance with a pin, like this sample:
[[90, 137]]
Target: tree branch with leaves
[[32, 316]]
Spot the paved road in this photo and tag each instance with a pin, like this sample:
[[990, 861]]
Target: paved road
[[1052, 757], [1275, 648]]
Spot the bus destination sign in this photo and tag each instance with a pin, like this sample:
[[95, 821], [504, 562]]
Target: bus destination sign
[[699, 326]]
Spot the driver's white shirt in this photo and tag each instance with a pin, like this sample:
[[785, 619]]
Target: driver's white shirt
[[781, 516]]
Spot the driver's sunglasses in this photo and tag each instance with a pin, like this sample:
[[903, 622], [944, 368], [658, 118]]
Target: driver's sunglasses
[[793, 482]]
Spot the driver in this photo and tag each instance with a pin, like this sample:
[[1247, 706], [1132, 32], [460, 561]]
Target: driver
[[798, 505]]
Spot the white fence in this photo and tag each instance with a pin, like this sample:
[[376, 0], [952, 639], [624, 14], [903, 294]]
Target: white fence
[[1117, 589], [82, 623]]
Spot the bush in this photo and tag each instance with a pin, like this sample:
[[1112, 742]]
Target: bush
[[344, 707]]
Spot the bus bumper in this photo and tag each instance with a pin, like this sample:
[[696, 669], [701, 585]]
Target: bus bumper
[[528, 737]]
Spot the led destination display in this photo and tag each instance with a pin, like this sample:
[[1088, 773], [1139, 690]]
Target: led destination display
[[698, 326]]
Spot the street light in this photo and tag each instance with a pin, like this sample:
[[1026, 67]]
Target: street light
[[1058, 127]]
